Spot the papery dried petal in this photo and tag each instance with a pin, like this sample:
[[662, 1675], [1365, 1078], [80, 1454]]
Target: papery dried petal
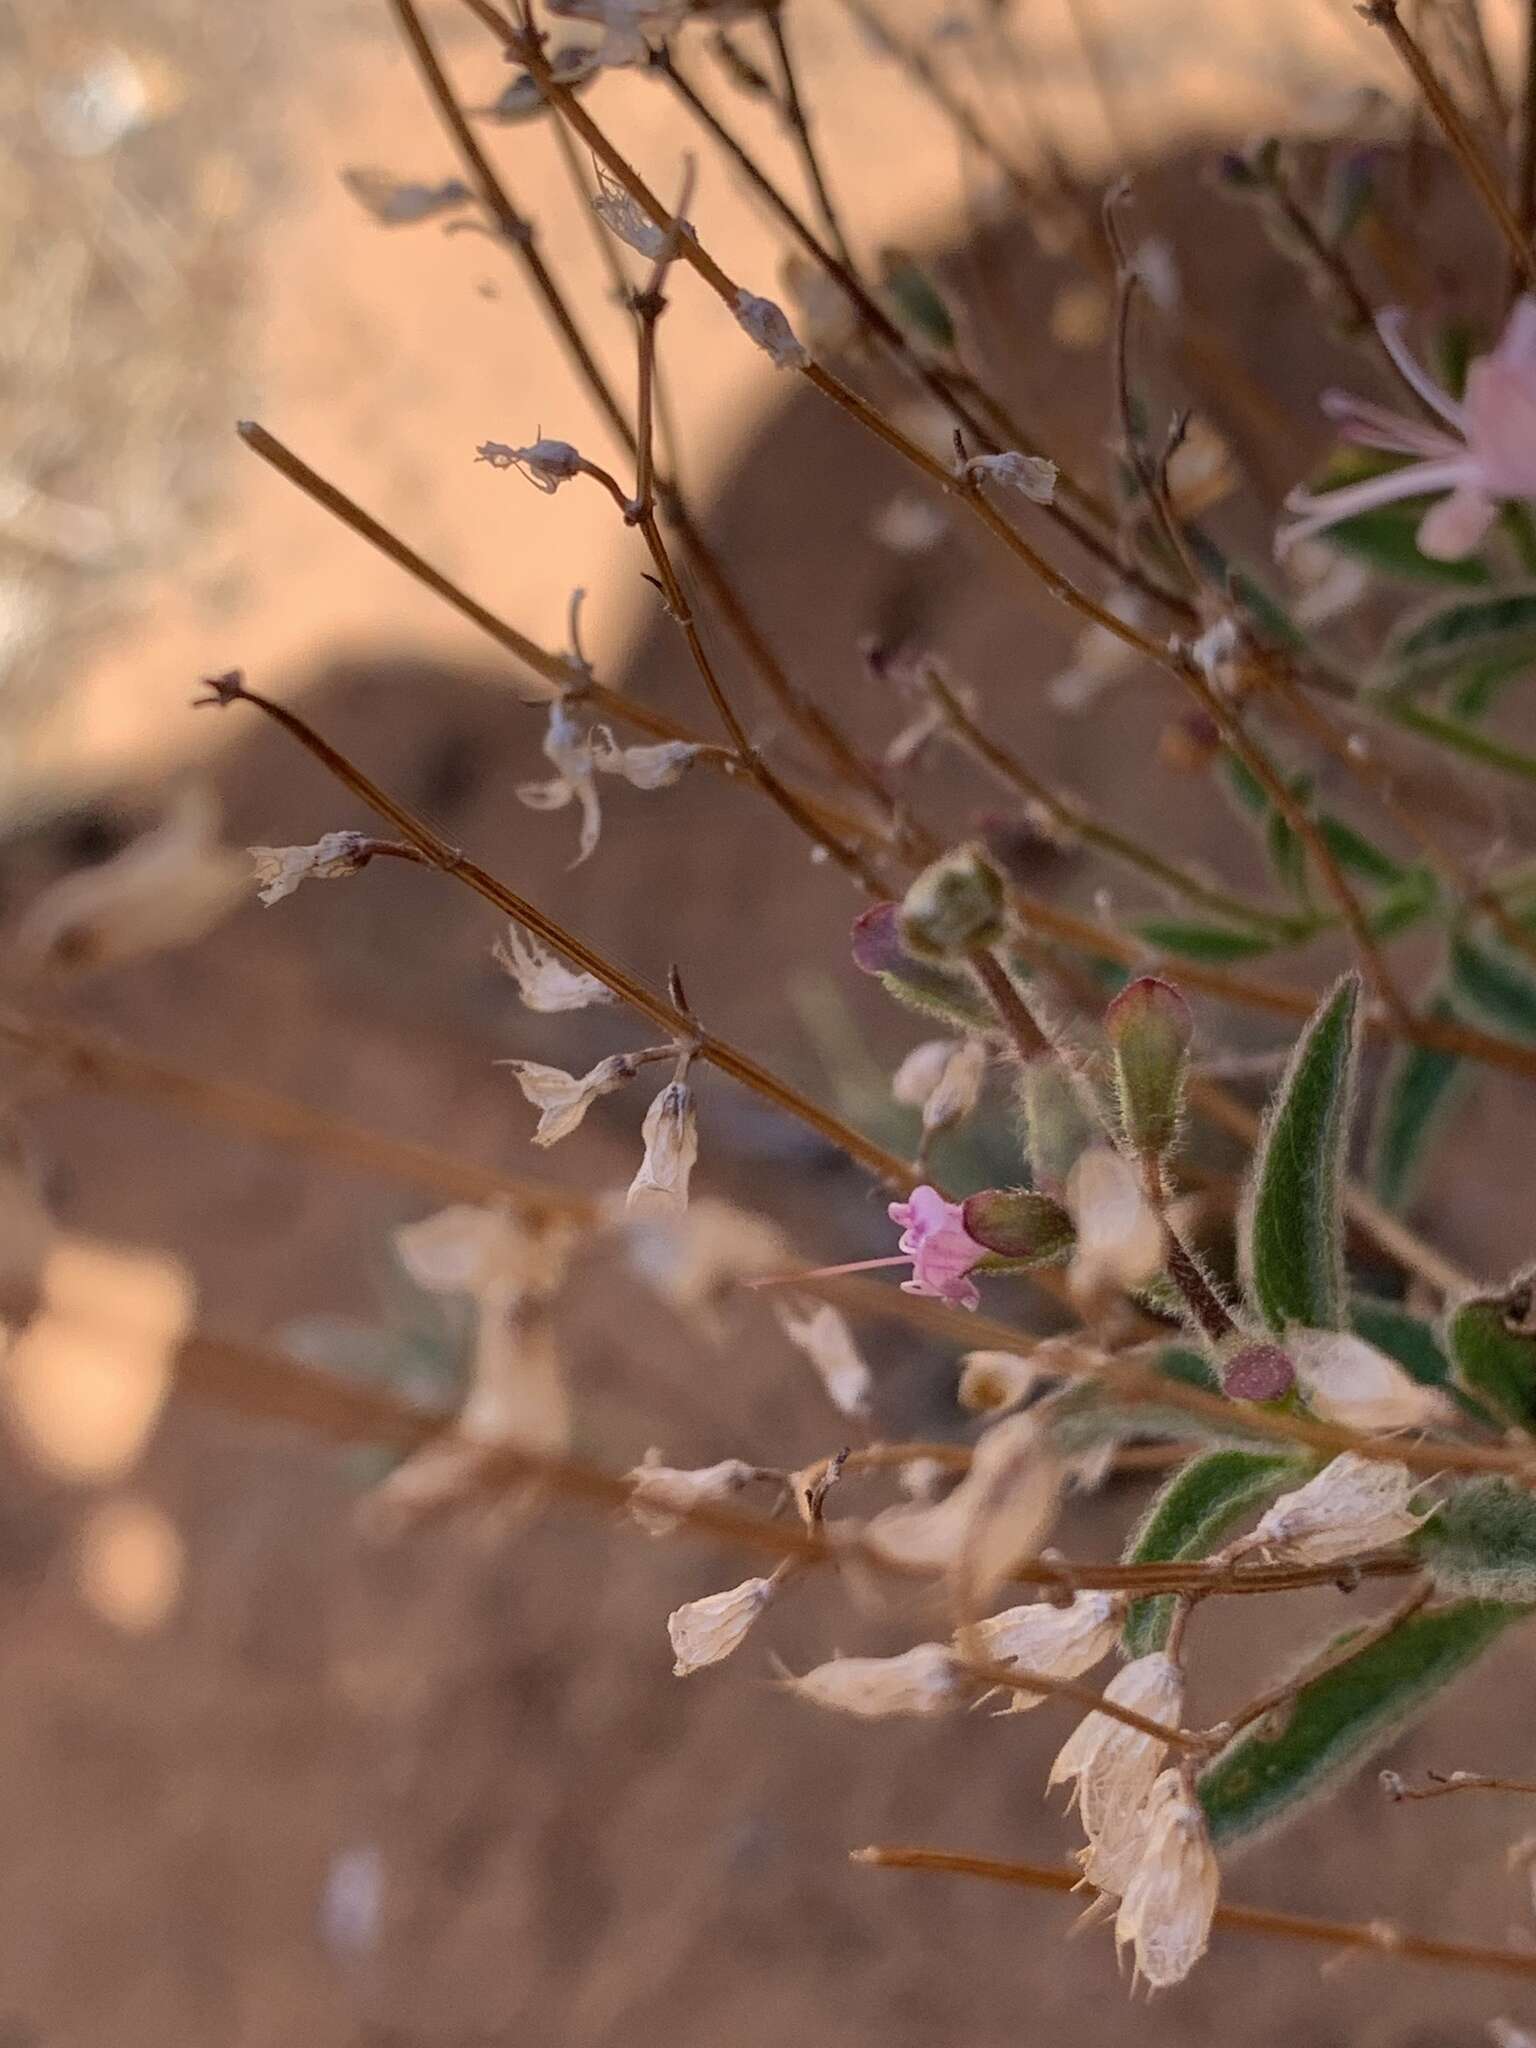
[[397, 202], [647, 767], [1059, 1642], [544, 981], [546, 464], [822, 1333], [465, 1249], [924, 1680], [958, 1089], [671, 1135], [922, 1070], [1119, 1233], [1032, 475], [1169, 1901], [1352, 1506], [1347, 1380], [705, 1631], [766, 324], [280, 869], [1114, 1765], [564, 1099], [658, 1491], [994, 1381]]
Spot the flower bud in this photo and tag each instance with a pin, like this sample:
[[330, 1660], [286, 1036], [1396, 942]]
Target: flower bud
[[1257, 1372], [1016, 1223], [706, 1630], [879, 949], [954, 905], [1149, 1028]]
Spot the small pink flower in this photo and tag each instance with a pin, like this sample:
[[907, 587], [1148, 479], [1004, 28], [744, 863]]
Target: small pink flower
[[942, 1251], [1487, 456]]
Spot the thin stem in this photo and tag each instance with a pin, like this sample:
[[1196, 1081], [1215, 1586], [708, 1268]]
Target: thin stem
[[1207, 1310], [799, 122], [272, 1387], [1442, 1785], [659, 1009], [1384, 14], [1381, 1936], [1073, 818], [1525, 169], [1350, 1646], [1040, 1686], [95, 1064]]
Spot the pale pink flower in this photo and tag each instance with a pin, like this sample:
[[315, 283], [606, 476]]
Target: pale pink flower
[[942, 1251], [1484, 455]]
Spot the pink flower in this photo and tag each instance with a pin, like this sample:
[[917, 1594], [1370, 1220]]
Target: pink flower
[[1488, 455], [942, 1251]]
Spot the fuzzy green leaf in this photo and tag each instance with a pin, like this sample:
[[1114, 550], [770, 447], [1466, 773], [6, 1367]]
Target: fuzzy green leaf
[[1197, 1507], [1292, 1236], [1481, 1545], [1465, 633], [1493, 1351], [1391, 1328], [1343, 1717]]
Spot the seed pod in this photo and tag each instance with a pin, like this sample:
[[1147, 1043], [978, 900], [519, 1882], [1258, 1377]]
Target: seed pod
[[954, 905], [1149, 1029]]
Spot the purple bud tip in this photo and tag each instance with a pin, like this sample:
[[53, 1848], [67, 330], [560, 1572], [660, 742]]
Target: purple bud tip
[[1147, 999], [877, 947], [1259, 1372]]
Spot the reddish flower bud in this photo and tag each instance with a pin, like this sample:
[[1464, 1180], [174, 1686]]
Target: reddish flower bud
[[1017, 1223], [1258, 1372]]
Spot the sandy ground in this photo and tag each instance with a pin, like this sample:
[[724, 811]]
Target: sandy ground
[[445, 1792]]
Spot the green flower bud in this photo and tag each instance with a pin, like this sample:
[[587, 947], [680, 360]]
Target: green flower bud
[[954, 906], [1018, 1224], [1149, 1029], [1492, 1342]]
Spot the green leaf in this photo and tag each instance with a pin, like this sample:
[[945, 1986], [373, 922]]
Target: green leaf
[[1415, 1093], [1391, 1328], [1195, 939], [1340, 1719], [1490, 987], [1197, 1507], [1358, 855], [1292, 1234], [1416, 897], [1478, 688], [1493, 1350], [1191, 1368], [1461, 739], [1387, 538], [1481, 1544], [1464, 634]]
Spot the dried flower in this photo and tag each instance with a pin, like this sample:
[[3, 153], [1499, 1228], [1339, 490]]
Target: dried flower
[[1099, 657], [1119, 1233], [523, 98], [398, 203], [934, 1238], [630, 27], [546, 464], [468, 1250], [280, 869], [1353, 1505], [543, 979], [922, 1070], [671, 1134], [1113, 1764], [824, 1336], [654, 766], [1347, 1380], [1000, 1511], [993, 1381], [768, 327], [697, 1257], [1170, 1900], [705, 1631], [564, 1099], [924, 1680], [166, 888], [1032, 475], [624, 217], [1058, 1642], [1483, 456], [660, 1492], [958, 1089]]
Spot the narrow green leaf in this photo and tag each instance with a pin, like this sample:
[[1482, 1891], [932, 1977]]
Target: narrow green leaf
[[1200, 1504], [1416, 1091], [1342, 1718], [1292, 1235], [1481, 1543], [1358, 855], [1193, 939], [1478, 687], [1466, 631], [1490, 986], [1461, 739]]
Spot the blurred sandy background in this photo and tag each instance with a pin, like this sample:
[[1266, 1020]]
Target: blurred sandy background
[[266, 1781]]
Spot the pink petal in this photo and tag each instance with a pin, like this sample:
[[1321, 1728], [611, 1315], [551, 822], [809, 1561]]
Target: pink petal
[[1322, 509], [1501, 411], [1450, 531], [1517, 344], [1390, 325]]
